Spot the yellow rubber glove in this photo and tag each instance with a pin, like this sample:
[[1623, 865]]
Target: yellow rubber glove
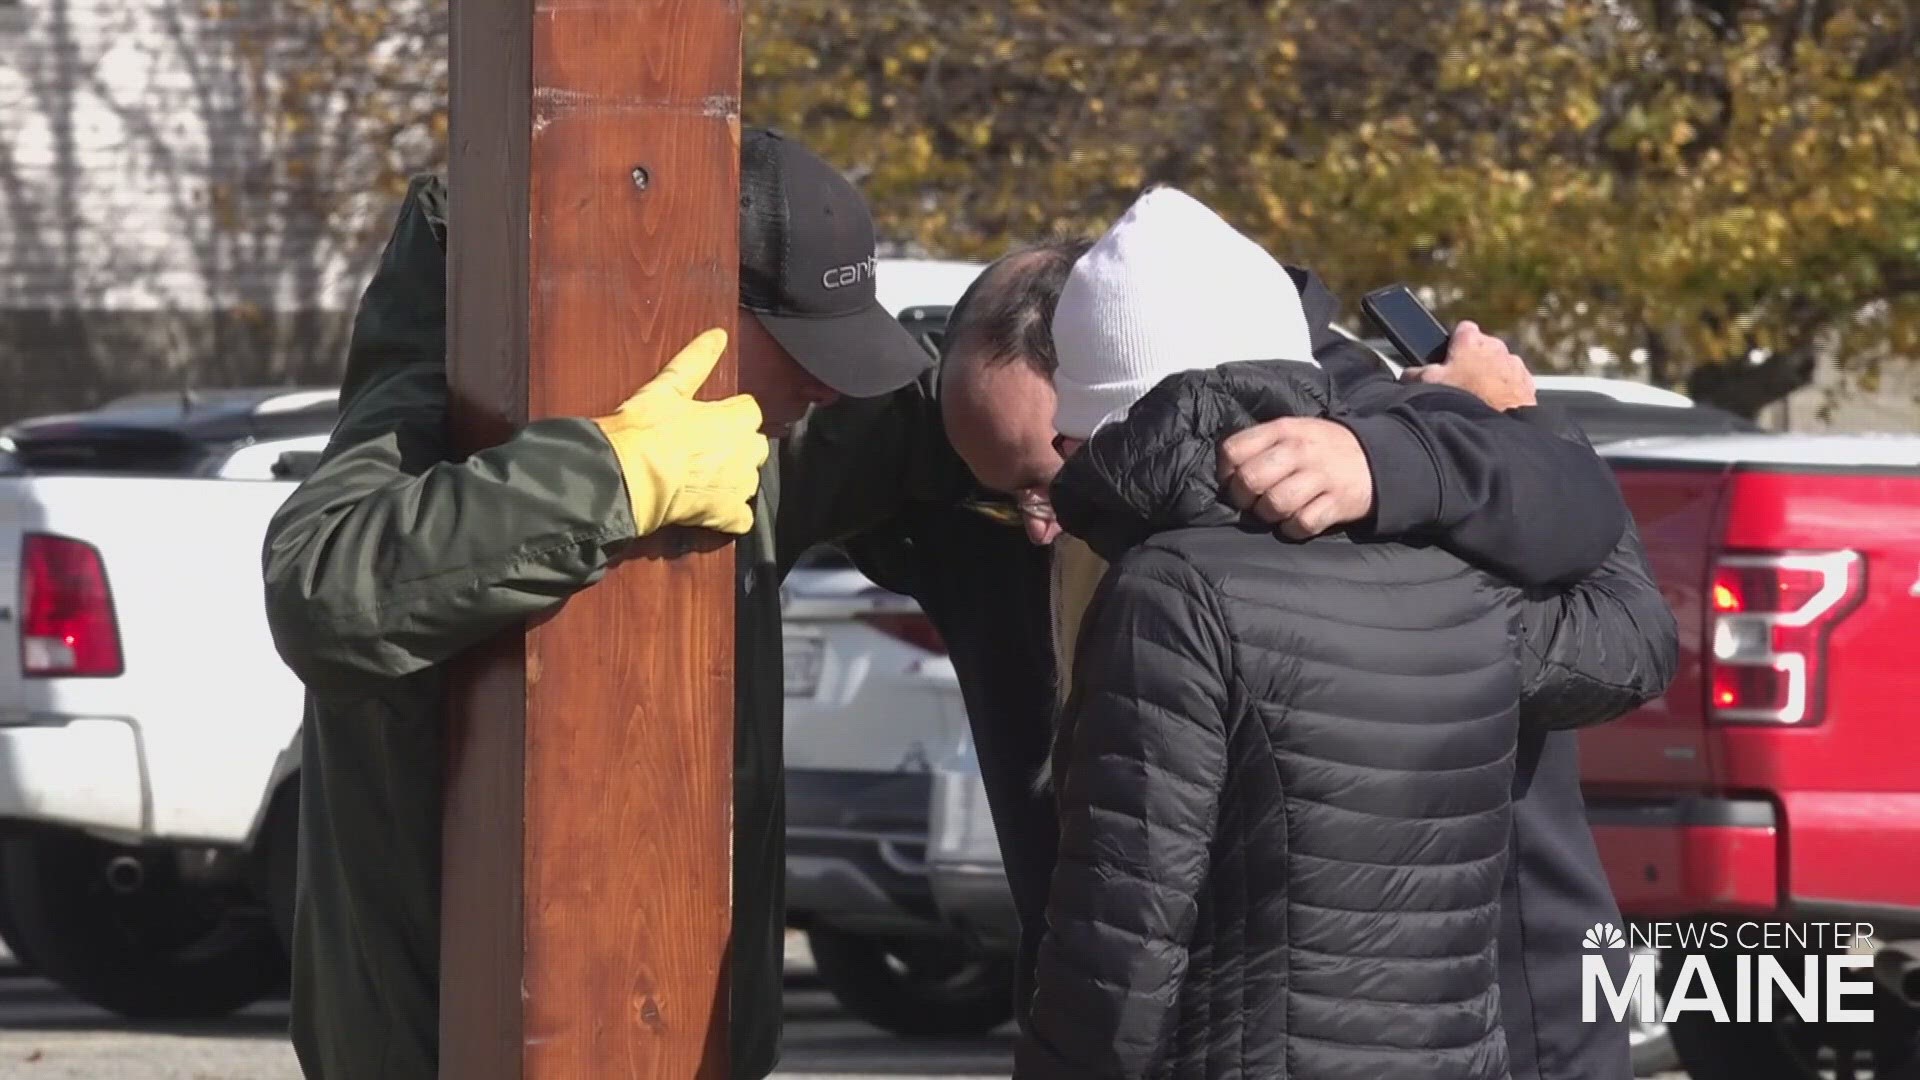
[[688, 462]]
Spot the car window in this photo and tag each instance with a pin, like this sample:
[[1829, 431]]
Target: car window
[[104, 449]]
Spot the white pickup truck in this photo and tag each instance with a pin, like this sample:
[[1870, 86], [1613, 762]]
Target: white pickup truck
[[148, 731], [143, 711]]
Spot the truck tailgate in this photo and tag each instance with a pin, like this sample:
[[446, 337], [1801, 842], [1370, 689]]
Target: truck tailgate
[[1776, 773], [1662, 749], [1846, 781], [201, 683]]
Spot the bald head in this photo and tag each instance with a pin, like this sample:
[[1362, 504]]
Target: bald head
[[1005, 315], [996, 371]]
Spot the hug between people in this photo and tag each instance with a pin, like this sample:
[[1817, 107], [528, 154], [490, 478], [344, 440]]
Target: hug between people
[[1283, 770]]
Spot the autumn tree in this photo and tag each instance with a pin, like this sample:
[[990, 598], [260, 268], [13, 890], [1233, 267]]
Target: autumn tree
[[1723, 191], [351, 98]]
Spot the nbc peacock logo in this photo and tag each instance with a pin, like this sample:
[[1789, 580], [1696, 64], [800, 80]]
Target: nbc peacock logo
[[1604, 936]]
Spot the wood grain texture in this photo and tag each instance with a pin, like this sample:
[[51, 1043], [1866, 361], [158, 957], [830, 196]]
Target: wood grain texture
[[615, 717]]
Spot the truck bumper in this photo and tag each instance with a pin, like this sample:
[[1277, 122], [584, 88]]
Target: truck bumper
[[83, 773], [856, 851], [1688, 856], [975, 897], [1852, 857]]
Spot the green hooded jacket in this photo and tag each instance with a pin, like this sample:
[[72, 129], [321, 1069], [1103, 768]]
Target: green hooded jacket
[[394, 555]]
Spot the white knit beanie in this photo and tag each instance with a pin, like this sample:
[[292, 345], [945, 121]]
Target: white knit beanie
[[1170, 288]]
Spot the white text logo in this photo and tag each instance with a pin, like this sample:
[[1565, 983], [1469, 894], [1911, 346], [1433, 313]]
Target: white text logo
[[1815, 985], [852, 274]]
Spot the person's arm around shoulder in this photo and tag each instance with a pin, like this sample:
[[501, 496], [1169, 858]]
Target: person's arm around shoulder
[[1434, 459], [1607, 644], [1538, 509], [390, 558], [1590, 651], [1599, 649], [1145, 743]]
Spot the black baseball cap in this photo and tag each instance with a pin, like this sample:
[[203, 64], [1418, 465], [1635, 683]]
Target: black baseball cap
[[807, 270]]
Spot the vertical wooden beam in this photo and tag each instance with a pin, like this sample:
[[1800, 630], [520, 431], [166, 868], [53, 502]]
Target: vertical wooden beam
[[586, 898]]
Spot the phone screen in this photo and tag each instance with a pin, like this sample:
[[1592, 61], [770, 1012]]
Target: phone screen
[[1411, 324]]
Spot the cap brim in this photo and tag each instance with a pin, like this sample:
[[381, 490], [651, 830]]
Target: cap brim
[[860, 355]]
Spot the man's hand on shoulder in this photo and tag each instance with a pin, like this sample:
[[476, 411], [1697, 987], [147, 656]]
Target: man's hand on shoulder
[[1302, 474], [1308, 475], [1483, 366]]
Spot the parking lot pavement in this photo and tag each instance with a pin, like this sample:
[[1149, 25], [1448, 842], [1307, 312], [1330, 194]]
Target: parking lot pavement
[[46, 1035]]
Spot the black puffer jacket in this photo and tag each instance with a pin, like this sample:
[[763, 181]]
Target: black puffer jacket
[[1285, 797]]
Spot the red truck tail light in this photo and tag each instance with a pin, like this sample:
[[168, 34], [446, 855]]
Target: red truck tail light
[[67, 628], [911, 627], [1772, 614]]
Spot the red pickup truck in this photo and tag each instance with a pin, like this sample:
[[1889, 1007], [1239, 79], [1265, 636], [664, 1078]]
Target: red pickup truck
[[1778, 780]]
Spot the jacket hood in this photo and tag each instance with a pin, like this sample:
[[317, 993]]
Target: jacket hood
[[402, 317], [1319, 305], [1158, 470]]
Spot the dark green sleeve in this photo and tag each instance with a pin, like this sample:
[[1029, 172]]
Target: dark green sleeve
[[391, 557], [857, 464]]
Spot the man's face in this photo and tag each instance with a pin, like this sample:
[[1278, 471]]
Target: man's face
[[999, 418], [774, 379]]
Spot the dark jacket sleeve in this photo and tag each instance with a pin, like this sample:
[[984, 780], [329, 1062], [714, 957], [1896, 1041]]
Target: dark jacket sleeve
[[1603, 647], [390, 557], [1591, 650], [1507, 496], [1139, 802]]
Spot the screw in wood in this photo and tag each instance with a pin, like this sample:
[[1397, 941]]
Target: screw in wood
[[641, 178]]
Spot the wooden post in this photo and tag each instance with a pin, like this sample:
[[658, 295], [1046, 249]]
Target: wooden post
[[593, 232]]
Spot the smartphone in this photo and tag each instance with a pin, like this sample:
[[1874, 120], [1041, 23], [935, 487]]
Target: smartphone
[[1414, 331]]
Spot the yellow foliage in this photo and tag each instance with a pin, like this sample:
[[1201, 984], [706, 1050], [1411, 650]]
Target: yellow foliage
[[1696, 180]]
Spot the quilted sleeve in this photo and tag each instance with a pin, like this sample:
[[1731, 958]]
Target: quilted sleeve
[[1145, 760]]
